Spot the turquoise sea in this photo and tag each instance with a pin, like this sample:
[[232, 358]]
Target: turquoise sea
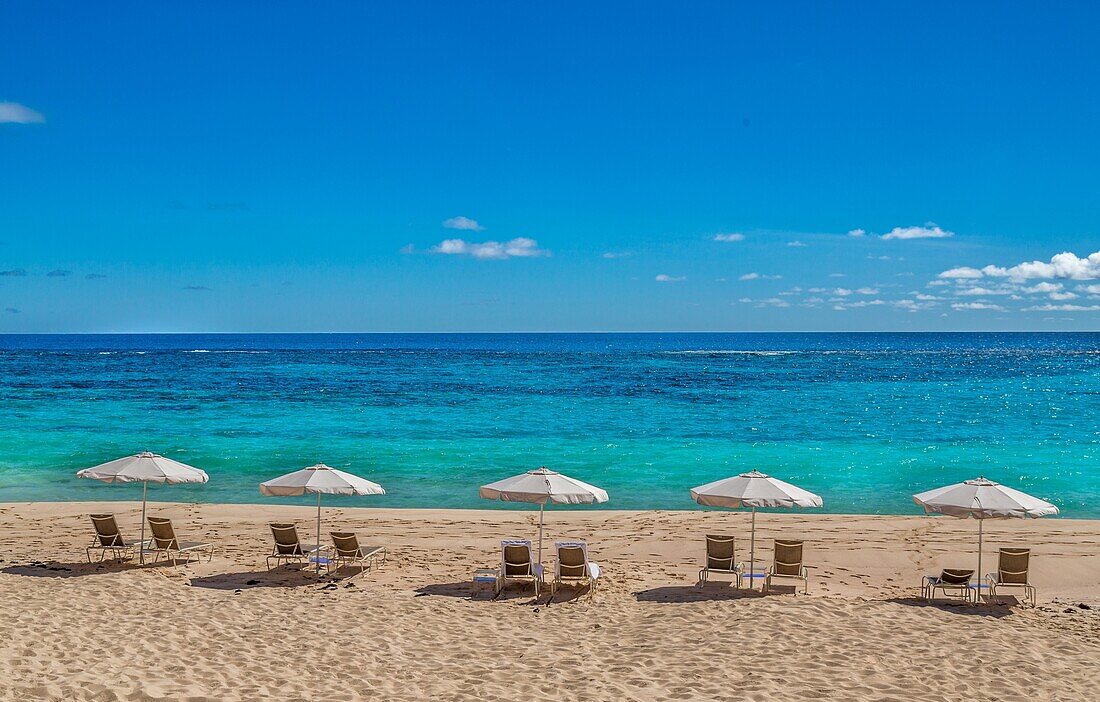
[[865, 420]]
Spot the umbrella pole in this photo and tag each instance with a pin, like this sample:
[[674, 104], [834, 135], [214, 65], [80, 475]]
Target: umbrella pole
[[542, 510], [752, 551], [141, 544], [981, 525], [317, 553]]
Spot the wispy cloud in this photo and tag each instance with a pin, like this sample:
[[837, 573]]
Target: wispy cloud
[[929, 231], [730, 236], [759, 276], [980, 305], [797, 244], [94, 276], [464, 223], [195, 287], [616, 254], [665, 278], [520, 247], [14, 273], [856, 233], [14, 113], [59, 273], [1062, 308], [11, 310]]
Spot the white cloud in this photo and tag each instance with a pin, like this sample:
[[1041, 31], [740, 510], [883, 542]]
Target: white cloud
[[1065, 265], [1044, 288], [843, 292], [745, 300], [616, 254], [797, 244], [1063, 296], [978, 291], [665, 278], [929, 231], [759, 276], [977, 306], [520, 247], [732, 236], [463, 223], [961, 272], [749, 276], [19, 114], [867, 291], [1062, 308], [913, 305], [1092, 289], [924, 297], [773, 302], [856, 233], [838, 275]]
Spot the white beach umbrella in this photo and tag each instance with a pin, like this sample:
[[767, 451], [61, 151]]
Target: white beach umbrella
[[319, 480], [144, 467], [983, 499], [753, 489], [541, 486]]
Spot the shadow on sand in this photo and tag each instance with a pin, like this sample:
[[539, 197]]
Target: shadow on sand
[[279, 577], [996, 609], [55, 569], [694, 593]]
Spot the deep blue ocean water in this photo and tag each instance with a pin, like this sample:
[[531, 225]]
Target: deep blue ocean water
[[865, 420]]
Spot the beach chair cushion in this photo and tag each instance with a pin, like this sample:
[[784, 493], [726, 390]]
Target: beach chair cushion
[[1012, 566], [788, 559], [106, 529], [956, 577], [721, 554], [287, 542], [573, 561]]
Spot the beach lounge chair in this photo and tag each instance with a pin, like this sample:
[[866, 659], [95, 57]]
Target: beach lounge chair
[[347, 551], [949, 580], [164, 543], [108, 538], [787, 563], [721, 559], [288, 547], [1012, 571], [517, 563], [573, 568]]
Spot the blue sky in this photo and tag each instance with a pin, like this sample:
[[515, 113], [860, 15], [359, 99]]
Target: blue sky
[[507, 166]]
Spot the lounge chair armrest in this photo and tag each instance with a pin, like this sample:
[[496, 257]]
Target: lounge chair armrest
[[931, 579], [538, 570], [993, 578], [594, 570]]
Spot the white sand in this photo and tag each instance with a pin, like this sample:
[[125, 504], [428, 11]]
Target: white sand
[[228, 630]]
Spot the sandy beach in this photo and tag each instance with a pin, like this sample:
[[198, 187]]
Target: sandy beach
[[229, 630]]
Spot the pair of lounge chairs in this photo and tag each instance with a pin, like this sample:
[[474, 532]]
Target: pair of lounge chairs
[[164, 543], [786, 563], [1013, 568], [572, 569], [345, 550]]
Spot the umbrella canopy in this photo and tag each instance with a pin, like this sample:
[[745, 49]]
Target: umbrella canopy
[[983, 499], [541, 486], [319, 480], [753, 489], [145, 467]]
